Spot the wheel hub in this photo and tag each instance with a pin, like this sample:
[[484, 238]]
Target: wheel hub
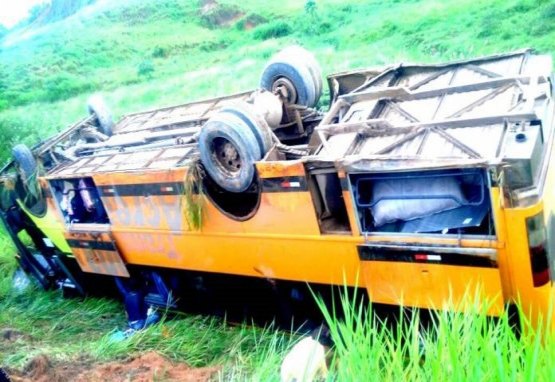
[[227, 156], [285, 88]]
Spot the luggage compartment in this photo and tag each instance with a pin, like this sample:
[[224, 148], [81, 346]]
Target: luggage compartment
[[446, 202]]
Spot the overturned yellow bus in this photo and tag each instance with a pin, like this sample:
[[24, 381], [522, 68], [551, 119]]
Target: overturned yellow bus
[[420, 184]]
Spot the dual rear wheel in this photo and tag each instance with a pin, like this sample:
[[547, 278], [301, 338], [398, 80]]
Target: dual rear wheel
[[230, 143], [295, 73], [238, 136]]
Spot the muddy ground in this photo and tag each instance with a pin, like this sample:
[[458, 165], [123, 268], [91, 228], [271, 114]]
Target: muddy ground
[[144, 368]]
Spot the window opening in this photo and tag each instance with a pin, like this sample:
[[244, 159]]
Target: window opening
[[236, 205], [327, 196], [79, 201], [446, 202]]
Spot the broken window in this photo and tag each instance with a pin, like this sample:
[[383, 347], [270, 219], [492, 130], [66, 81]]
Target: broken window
[[447, 202], [79, 201], [327, 195]]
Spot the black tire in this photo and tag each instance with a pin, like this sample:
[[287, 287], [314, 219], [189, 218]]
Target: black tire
[[103, 121], [298, 75], [225, 134], [300, 56], [28, 189], [25, 160], [255, 122]]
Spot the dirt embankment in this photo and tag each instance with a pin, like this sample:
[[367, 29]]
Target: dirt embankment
[[214, 14], [145, 368]]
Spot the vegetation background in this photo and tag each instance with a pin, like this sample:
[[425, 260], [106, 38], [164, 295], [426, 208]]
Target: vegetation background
[[151, 53]]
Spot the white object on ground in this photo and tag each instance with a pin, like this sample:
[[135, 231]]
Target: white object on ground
[[20, 281], [305, 362]]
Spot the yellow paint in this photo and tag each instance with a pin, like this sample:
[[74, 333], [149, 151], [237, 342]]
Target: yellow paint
[[283, 241], [50, 225], [434, 286], [99, 261]]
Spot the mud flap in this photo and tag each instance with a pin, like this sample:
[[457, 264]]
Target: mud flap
[[460, 279], [96, 252]]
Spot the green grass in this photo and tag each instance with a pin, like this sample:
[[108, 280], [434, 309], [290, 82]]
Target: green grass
[[447, 346], [192, 206], [68, 330], [7, 263]]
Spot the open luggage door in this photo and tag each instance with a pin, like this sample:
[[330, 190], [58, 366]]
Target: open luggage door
[[95, 250]]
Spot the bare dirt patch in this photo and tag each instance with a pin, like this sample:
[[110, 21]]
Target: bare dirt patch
[[208, 6], [216, 15], [144, 368], [251, 21], [12, 335]]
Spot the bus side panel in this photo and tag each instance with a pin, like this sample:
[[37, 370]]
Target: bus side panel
[[434, 286], [317, 259]]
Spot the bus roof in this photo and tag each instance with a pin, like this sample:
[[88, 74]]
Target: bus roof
[[464, 112]]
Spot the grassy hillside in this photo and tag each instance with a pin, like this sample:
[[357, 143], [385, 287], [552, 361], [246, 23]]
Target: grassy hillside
[[151, 53]]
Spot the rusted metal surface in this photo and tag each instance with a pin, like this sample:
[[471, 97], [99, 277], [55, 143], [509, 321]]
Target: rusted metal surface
[[96, 251], [461, 110], [438, 76], [346, 82], [175, 117], [155, 139], [158, 158]]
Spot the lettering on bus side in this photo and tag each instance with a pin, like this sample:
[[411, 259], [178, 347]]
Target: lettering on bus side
[[145, 211], [156, 245]]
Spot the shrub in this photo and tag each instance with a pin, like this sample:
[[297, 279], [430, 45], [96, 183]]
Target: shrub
[[548, 13], [310, 7], [209, 46], [250, 21], [489, 26], [521, 7], [159, 52], [219, 15], [145, 69], [541, 28], [275, 29]]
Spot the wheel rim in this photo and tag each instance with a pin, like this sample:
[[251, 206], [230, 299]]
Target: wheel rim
[[226, 156], [283, 84]]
